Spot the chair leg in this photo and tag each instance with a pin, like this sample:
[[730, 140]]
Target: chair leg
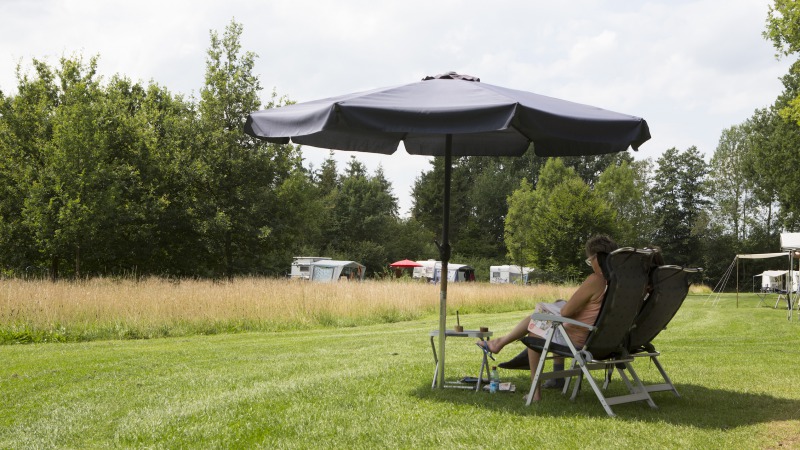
[[625, 379], [607, 381], [577, 387], [586, 374], [639, 388], [568, 380], [668, 383]]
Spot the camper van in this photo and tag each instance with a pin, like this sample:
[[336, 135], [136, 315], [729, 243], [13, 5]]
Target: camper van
[[509, 274], [425, 269], [301, 266], [431, 270]]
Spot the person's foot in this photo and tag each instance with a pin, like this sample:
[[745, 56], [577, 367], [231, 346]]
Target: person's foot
[[554, 383], [485, 347], [492, 346], [537, 396]]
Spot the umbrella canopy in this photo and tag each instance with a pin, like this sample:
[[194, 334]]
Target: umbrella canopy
[[450, 115], [405, 264], [484, 120]]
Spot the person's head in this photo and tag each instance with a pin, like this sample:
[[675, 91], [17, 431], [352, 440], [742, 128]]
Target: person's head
[[597, 248], [600, 243]]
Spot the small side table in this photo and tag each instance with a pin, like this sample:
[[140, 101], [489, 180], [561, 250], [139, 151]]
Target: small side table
[[475, 334]]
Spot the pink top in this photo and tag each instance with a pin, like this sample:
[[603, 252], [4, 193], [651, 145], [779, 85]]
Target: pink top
[[587, 315]]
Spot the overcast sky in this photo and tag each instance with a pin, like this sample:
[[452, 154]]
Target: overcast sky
[[691, 68]]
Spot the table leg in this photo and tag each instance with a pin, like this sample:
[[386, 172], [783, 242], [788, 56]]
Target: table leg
[[435, 364], [484, 364]]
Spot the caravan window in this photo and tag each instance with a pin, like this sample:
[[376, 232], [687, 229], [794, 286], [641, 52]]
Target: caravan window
[[495, 274]]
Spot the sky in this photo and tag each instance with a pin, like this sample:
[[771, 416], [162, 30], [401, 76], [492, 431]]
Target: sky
[[690, 68]]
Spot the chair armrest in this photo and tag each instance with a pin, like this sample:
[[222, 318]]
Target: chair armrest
[[562, 319]]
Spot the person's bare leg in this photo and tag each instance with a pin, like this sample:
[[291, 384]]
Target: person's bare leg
[[519, 330], [533, 359]]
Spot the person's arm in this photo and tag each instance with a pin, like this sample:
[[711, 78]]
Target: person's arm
[[590, 287]]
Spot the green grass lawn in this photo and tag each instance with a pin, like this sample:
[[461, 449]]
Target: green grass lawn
[[369, 387]]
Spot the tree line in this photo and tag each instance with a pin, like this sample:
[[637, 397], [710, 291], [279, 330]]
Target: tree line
[[116, 177]]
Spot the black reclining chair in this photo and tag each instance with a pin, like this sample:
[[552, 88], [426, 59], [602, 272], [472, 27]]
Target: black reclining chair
[[627, 271]]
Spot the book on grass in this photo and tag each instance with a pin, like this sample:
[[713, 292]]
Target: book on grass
[[503, 387], [473, 380]]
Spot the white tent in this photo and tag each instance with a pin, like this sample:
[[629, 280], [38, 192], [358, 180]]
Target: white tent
[[790, 246], [330, 270], [771, 279]]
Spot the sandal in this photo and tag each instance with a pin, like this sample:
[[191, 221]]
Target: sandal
[[485, 347]]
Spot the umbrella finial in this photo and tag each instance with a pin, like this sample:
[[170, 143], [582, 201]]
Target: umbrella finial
[[452, 76]]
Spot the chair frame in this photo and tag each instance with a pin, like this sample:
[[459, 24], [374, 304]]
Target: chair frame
[[654, 317]]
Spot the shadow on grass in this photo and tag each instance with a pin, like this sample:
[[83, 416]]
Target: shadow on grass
[[698, 406]]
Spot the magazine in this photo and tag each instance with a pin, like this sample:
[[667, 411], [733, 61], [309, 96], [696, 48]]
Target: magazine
[[551, 308], [540, 327]]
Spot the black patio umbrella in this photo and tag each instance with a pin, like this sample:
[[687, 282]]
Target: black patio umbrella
[[450, 115]]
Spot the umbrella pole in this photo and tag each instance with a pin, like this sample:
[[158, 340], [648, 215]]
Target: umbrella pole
[[444, 253]]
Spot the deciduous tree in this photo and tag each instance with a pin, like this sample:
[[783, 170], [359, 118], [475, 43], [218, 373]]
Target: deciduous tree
[[679, 191], [239, 216]]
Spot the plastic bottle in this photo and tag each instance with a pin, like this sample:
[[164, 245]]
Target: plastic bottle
[[494, 380]]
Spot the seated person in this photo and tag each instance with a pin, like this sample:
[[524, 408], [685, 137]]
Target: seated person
[[584, 306]]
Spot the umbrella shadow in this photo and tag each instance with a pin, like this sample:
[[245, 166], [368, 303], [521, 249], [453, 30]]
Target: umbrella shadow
[[698, 406]]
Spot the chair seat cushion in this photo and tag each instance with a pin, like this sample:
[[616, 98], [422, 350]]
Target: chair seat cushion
[[537, 343], [519, 362]]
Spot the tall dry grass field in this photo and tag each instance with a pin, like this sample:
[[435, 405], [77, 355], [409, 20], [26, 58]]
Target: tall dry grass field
[[110, 309]]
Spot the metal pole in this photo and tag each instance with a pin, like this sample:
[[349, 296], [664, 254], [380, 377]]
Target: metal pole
[[791, 284], [444, 251], [737, 281]]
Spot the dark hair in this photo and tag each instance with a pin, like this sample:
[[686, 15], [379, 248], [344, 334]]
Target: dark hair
[[600, 243]]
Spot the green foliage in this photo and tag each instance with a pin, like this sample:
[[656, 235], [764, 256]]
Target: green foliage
[[359, 218], [519, 223], [625, 187], [125, 178], [783, 26], [680, 200], [481, 189], [774, 142], [783, 29], [737, 205], [548, 227], [238, 215]]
